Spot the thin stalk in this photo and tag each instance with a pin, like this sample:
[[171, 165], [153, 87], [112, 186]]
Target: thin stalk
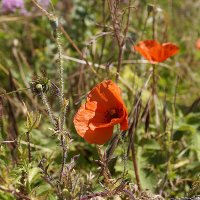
[[124, 151], [77, 49], [49, 111], [169, 142], [117, 32], [103, 38], [105, 170], [137, 177], [41, 8], [60, 67], [64, 156], [12, 92], [119, 63], [153, 37], [29, 146], [117, 35], [170, 133], [63, 115]]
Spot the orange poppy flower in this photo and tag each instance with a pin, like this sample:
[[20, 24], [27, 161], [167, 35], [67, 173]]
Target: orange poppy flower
[[198, 44], [104, 108], [156, 52]]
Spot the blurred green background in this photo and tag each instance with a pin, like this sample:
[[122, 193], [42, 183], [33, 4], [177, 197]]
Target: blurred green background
[[168, 152]]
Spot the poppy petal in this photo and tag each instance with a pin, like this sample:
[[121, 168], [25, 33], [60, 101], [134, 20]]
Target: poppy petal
[[154, 51], [124, 123], [148, 49], [122, 120], [106, 94], [104, 108], [99, 136], [169, 50], [84, 116]]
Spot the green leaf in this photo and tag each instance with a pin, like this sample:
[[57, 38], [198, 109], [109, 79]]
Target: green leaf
[[149, 144], [195, 144], [193, 118], [147, 178], [185, 129], [33, 174]]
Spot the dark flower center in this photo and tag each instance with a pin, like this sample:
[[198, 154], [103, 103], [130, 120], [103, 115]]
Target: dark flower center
[[113, 113]]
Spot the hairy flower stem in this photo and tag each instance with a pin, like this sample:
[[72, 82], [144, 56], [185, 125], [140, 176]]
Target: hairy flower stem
[[63, 105], [63, 114], [60, 66], [49, 111], [64, 156], [63, 101]]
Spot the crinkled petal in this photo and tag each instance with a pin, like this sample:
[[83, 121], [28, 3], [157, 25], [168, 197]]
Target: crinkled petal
[[169, 50], [107, 95], [98, 136], [148, 49], [154, 51], [82, 121], [122, 120], [91, 120]]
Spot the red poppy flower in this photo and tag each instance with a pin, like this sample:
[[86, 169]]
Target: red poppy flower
[[104, 108], [156, 52]]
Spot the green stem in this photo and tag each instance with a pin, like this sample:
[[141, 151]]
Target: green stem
[[45, 102], [60, 67]]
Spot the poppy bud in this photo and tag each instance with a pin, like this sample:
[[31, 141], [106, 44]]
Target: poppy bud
[[39, 87]]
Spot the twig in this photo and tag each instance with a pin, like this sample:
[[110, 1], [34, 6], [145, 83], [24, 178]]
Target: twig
[[131, 133], [97, 194], [113, 7], [129, 194], [77, 49], [104, 168], [137, 177], [12, 92], [104, 38]]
